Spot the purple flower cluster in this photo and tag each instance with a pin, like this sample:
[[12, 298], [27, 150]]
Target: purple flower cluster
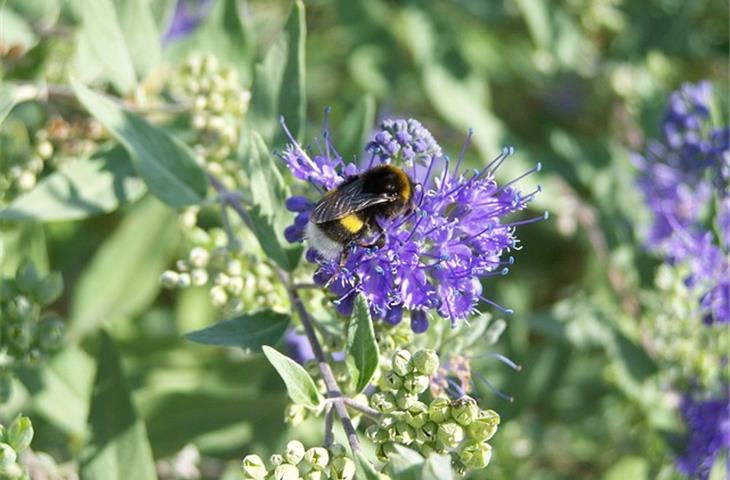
[[188, 15], [708, 423], [682, 176], [434, 258]]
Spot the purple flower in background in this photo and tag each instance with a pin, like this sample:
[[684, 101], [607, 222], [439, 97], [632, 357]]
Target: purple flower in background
[[682, 176], [298, 346], [188, 15], [434, 258], [708, 424]]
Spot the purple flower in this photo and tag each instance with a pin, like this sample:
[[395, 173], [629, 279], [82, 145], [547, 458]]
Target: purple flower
[[434, 258], [298, 346], [708, 425], [682, 176], [187, 17]]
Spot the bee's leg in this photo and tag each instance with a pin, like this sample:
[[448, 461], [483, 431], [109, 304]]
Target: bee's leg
[[379, 239], [343, 259]]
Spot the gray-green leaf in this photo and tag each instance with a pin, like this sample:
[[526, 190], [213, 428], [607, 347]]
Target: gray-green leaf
[[87, 187], [299, 385], [268, 213], [361, 350], [249, 331], [167, 165], [118, 447], [365, 469]]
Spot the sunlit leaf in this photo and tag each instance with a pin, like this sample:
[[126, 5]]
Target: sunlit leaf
[[249, 331], [299, 385], [361, 350]]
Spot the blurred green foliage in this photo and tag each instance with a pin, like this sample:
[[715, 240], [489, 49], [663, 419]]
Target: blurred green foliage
[[575, 85]]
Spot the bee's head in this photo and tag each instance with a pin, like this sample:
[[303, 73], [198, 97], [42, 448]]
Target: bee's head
[[393, 182]]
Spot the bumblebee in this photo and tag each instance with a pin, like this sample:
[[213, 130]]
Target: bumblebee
[[347, 215]]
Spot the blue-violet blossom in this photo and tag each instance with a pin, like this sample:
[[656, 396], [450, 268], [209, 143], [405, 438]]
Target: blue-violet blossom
[[708, 424], [681, 175], [433, 258]]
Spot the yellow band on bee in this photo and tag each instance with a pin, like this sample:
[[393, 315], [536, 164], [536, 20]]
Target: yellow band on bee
[[352, 223]]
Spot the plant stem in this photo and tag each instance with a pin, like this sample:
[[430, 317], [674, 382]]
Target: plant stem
[[333, 390], [329, 433]]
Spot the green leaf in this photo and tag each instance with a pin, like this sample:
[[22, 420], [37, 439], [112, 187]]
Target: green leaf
[[118, 447], [166, 164], [11, 95], [292, 100], [268, 213], [103, 35], [141, 34], [633, 359], [355, 128], [123, 277], [279, 86], [365, 469], [21, 241], [249, 331], [361, 350], [635, 468], [405, 463], [86, 187], [299, 385], [437, 467], [15, 30], [60, 391], [223, 34]]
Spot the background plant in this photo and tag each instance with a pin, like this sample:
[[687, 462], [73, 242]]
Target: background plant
[[85, 190]]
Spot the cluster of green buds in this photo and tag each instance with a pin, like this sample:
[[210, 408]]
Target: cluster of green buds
[[689, 351], [13, 440], [219, 104], [49, 148], [457, 427], [236, 279], [27, 335], [299, 463]]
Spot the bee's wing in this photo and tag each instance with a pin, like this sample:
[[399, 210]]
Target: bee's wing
[[344, 200]]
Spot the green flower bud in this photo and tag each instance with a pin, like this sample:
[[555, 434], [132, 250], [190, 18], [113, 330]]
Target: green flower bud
[[199, 277], [294, 452], [294, 414], [402, 364], [376, 434], [342, 469], [415, 383], [384, 450], [317, 458], [337, 450], [286, 472], [387, 421], [404, 433], [315, 475], [253, 468], [391, 381], [384, 402], [440, 410], [426, 362], [26, 276], [417, 415], [475, 454], [51, 332], [465, 410], [428, 432], [218, 296], [7, 456], [458, 466], [276, 459], [199, 257], [48, 289], [405, 400], [20, 434], [184, 280], [451, 434], [484, 427], [169, 279]]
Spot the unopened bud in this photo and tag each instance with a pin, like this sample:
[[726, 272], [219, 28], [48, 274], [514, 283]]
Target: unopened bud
[[295, 413], [218, 296], [402, 363], [342, 469], [199, 277], [199, 257], [426, 362], [428, 432], [294, 452], [485, 426], [184, 280], [286, 472], [405, 400], [337, 450], [440, 410], [48, 289], [475, 454], [465, 410], [451, 434], [20, 434], [7, 456], [404, 433], [377, 434], [390, 381], [253, 468], [50, 332], [415, 383], [26, 276], [317, 458], [383, 402], [276, 459], [169, 279]]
